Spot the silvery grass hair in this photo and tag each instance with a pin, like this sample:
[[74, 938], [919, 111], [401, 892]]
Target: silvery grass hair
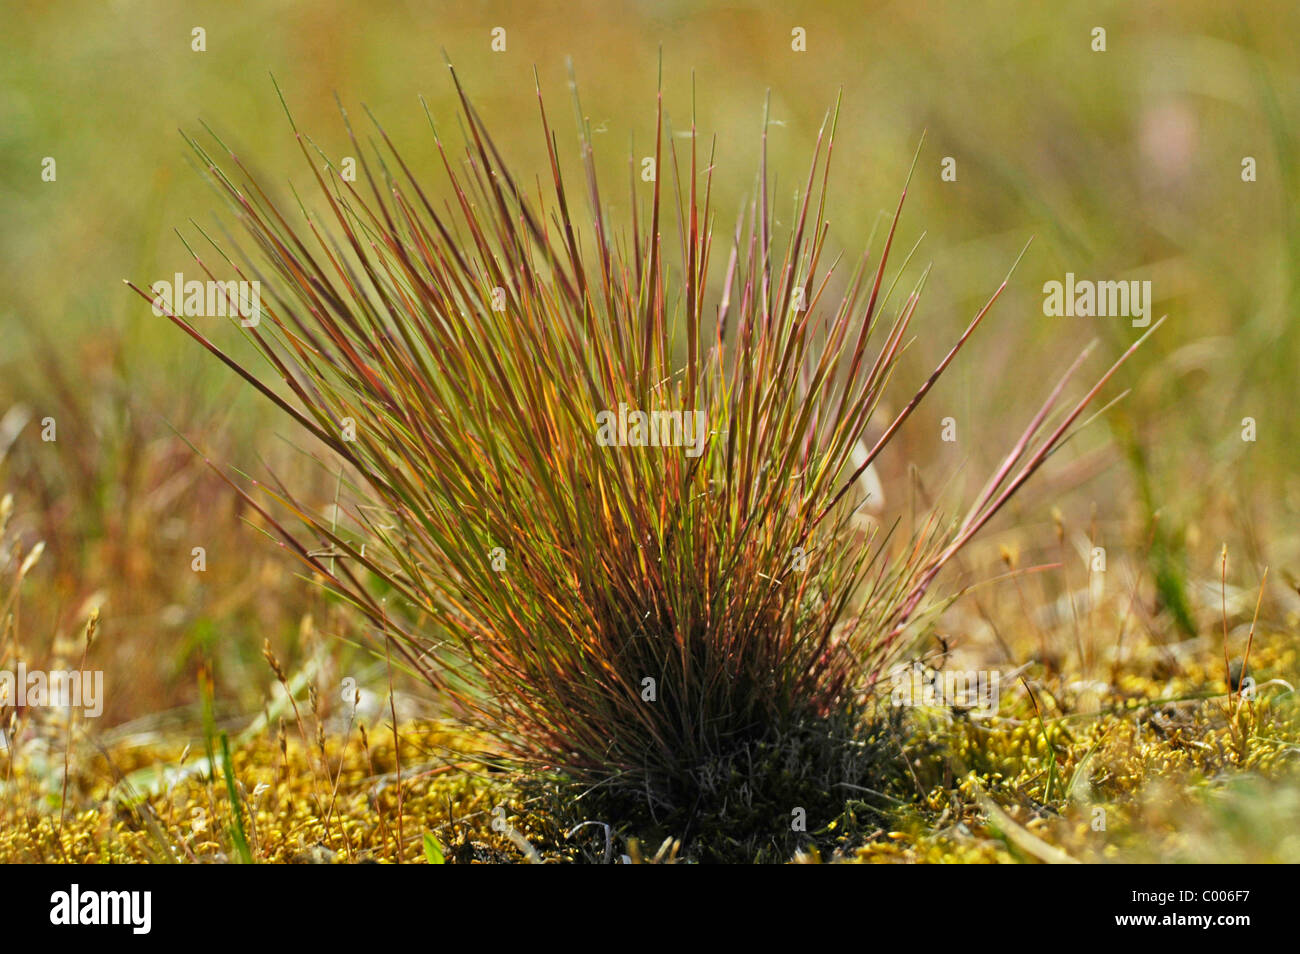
[[618, 614]]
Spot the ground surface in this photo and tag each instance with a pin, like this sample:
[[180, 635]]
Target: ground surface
[[1152, 767]]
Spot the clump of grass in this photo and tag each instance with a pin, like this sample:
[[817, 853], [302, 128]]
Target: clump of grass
[[665, 628]]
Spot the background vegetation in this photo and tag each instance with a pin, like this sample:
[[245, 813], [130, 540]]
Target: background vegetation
[[1124, 164]]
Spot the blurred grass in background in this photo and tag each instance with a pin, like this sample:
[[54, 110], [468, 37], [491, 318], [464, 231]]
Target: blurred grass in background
[[1122, 165]]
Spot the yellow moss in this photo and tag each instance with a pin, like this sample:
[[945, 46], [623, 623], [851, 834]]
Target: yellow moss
[[1172, 780]]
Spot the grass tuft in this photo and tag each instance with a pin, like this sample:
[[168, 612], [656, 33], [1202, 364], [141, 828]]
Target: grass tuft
[[688, 634]]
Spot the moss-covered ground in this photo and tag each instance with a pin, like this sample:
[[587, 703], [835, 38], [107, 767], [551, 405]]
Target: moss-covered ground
[[1157, 764]]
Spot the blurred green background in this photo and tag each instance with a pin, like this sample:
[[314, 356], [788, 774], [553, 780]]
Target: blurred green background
[[1123, 164]]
